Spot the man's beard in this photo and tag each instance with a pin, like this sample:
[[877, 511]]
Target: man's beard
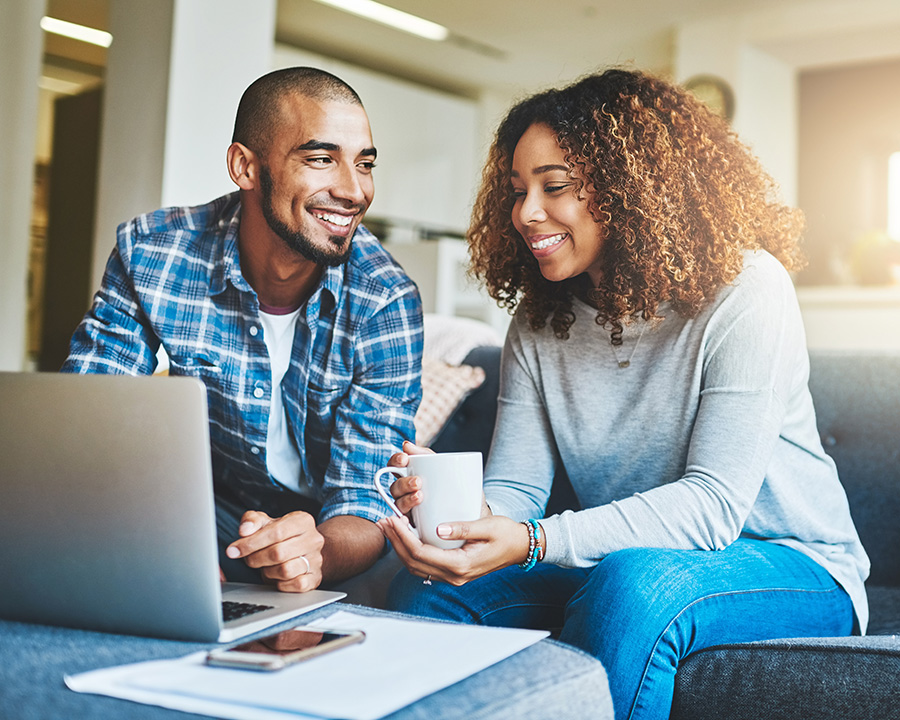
[[296, 240]]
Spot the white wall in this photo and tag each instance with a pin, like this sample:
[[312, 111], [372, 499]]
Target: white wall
[[764, 88], [767, 116], [21, 46], [428, 143], [218, 49], [176, 70]]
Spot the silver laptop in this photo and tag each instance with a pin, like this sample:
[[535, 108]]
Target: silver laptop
[[107, 519]]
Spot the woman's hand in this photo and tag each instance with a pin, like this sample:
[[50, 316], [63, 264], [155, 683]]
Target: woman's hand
[[492, 543], [406, 491]]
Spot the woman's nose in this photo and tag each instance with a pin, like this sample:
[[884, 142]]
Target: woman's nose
[[531, 210]]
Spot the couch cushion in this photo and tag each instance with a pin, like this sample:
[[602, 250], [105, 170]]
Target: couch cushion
[[857, 401], [884, 610], [805, 679], [799, 679]]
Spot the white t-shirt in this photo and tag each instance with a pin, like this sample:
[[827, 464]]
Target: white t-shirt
[[282, 458]]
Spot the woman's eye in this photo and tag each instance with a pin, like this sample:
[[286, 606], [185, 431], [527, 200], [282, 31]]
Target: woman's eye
[[518, 193], [556, 187]]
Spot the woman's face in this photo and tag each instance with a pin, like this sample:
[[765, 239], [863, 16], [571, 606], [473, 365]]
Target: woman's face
[[551, 218]]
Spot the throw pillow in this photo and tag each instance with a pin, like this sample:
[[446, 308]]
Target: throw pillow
[[451, 338], [444, 387]]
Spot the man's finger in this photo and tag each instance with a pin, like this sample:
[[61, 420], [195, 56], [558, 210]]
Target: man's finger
[[303, 583], [252, 521], [280, 553], [295, 568], [293, 524]]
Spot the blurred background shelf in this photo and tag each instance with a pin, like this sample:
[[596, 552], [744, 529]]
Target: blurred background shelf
[[851, 317], [439, 267]]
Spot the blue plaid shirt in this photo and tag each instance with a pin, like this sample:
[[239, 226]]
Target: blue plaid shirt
[[354, 381]]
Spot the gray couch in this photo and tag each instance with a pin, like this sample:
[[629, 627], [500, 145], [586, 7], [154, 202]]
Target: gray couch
[[857, 399]]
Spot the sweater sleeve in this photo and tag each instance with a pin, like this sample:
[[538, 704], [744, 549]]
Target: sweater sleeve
[[523, 456], [753, 353]]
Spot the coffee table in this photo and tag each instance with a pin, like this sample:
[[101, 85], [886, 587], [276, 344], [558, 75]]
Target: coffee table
[[548, 679]]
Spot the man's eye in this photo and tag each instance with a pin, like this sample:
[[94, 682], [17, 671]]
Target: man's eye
[[320, 160], [367, 165]]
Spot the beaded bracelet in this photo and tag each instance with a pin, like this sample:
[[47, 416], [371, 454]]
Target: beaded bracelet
[[534, 530], [539, 533]]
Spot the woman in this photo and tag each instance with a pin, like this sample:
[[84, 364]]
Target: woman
[[657, 355]]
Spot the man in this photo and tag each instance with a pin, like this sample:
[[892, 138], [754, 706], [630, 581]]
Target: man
[[306, 333]]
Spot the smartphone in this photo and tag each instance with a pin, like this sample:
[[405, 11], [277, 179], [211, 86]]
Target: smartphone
[[282, 649]]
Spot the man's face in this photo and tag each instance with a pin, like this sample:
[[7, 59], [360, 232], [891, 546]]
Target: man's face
[[316, 178]]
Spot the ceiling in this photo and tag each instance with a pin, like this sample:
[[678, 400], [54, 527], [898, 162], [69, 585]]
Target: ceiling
[[513, 46], [495, 44]]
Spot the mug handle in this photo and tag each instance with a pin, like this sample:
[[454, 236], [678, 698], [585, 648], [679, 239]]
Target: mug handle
[[397, 472]]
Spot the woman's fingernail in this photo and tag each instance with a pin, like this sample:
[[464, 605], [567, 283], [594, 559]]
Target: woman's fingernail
[[444, 530], [232, 552]]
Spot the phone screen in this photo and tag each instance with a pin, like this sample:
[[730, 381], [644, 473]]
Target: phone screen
[[288, 642]]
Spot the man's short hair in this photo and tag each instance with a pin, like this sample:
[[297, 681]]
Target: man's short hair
[[259, 111]]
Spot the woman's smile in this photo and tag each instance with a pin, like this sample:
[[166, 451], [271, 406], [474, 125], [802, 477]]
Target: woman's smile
[[549, 212], [545, 244]]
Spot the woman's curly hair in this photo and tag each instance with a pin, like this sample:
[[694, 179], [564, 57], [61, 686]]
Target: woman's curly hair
[[679, 196]]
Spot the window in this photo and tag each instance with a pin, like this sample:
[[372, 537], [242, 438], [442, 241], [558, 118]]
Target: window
[[893, 209]]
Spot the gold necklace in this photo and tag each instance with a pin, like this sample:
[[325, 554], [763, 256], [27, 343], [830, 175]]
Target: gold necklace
[[625, 363]]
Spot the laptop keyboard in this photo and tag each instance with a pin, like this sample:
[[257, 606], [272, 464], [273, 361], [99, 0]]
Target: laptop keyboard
[[234, 610]]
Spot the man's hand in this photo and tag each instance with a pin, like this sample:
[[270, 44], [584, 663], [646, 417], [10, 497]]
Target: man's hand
[[287, 550]]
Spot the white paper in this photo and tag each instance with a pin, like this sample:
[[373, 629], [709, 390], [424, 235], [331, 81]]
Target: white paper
[[400, 662]]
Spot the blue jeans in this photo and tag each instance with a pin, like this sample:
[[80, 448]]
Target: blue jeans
[[641, 611]]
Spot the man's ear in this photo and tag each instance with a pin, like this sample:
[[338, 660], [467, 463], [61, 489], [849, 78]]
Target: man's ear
[[242, 166]]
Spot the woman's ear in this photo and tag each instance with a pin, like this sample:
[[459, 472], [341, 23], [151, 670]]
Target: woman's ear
[[242, 165]]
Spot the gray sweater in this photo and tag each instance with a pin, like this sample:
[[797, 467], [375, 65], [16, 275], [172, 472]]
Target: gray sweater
[[708, 435]]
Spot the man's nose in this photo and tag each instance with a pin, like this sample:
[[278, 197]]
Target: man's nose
[[348, 186]]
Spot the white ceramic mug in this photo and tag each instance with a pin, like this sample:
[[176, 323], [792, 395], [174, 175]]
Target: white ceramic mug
[[451, 492]]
